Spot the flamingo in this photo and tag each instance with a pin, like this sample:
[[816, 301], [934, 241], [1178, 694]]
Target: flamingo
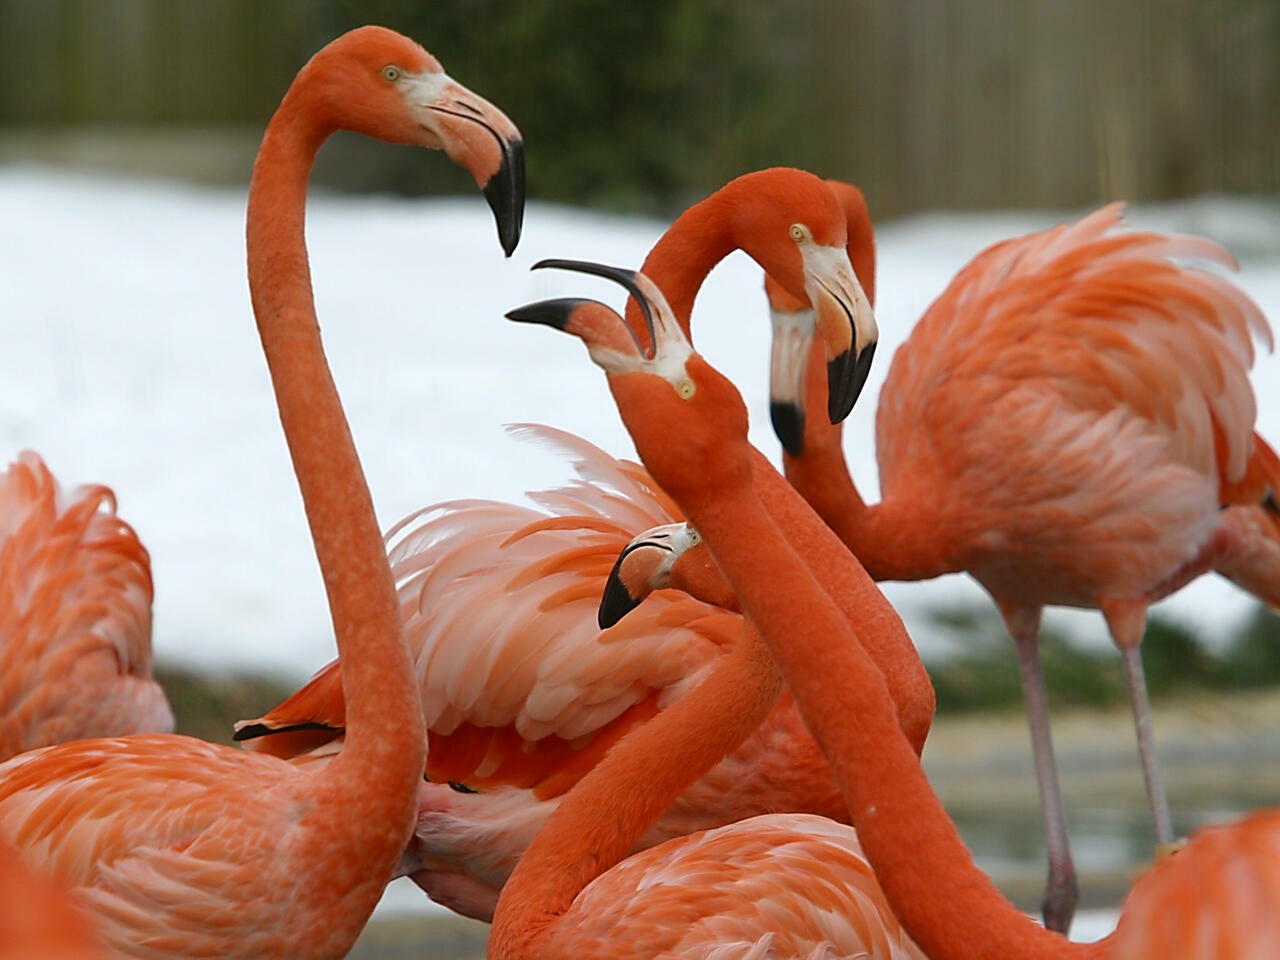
[[75, 616], [180, 847], [523, 692], [38, 918], [1065, 424], [1213, 899], [709, 893]]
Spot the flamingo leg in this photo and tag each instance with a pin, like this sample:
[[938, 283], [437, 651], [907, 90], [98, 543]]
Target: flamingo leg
[[1156, 798], [1063, 888]]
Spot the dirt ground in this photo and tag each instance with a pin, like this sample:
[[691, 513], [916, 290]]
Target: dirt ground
[[1216, 750]]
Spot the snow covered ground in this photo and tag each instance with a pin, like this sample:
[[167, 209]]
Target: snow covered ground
[[130, 357]]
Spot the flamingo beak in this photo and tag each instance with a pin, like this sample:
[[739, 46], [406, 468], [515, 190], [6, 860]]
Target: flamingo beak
[[643, 566], [845, 321], [792, 335], [505, 192], [478, 136]]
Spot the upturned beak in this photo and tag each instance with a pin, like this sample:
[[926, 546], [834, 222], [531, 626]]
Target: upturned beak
[[478, 136], [845, 321]]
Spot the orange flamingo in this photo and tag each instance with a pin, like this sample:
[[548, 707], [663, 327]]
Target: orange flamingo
[[180, 847], [38, 918], [1064, 424], [1213, 899], [523, 693], [695, 895], [75, 616]]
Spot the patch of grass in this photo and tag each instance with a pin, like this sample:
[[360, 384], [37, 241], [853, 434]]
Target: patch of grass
[[985, 675], [206, 705]]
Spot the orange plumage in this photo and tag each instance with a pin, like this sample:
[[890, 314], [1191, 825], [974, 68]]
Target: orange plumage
[[75, 616]]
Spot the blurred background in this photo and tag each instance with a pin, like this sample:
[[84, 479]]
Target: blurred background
[[640, 109], [975, 104]]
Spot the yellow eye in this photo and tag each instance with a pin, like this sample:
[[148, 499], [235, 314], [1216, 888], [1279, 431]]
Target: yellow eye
[[798, 232], [391, 73], [695, 537], [685, 389]]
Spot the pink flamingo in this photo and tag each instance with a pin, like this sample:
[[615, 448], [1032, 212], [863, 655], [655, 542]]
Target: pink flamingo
[[523, 692], [698, 895], [1213, 899], [1065, 424], [180, 847], [75, 616], [38, 918]]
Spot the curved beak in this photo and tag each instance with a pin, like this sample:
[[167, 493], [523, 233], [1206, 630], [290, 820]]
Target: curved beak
[[478, 136], [644, 565], [845, 321]]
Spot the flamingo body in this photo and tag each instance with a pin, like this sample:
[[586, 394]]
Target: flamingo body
[[182, 848], [1213, 899], [701, 899], [38, 917], [1063, 417], [75, 616], [150, 833], [733, 892], [524, 693]]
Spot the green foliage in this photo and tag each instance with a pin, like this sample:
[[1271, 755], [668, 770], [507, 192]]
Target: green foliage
[[626, 102], [984, 676], [206, 706]]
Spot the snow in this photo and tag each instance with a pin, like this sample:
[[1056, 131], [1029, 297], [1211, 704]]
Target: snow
[[130, 358]]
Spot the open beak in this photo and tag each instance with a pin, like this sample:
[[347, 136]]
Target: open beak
[[478, 136], [844, 319]]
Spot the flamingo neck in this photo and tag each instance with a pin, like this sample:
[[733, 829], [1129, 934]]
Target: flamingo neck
[[599, 821], [929, 876], [847, 583], [384, 730], [682, 258], [888, 538]]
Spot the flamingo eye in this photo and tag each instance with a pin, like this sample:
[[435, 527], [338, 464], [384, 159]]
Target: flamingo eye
[[391, 73], [685, 389], [799, 233], [695, 537]]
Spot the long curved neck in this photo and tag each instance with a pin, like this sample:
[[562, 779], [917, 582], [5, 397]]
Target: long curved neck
[[881, 631], [682, 258], [948, 905], [383, 715], [888, 545], [602, 817]]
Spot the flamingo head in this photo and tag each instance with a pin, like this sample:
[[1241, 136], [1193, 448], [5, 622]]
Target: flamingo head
[[644, 565], [687, 420], [795, 321], [379, 83]]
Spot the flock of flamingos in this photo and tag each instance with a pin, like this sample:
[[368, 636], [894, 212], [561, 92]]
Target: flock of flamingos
[[646, 718]]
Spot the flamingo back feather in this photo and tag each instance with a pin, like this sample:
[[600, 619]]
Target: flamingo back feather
[[75, 616]]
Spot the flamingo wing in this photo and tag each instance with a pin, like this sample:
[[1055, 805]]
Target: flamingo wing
[[1075, 388], [519, 685], [151, 832], [75, 616]]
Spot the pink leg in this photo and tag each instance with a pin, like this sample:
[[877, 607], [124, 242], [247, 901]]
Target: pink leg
[[1156, 797], [1127, 620], [1063, 889]]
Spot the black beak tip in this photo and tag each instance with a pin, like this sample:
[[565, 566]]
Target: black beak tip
[[505, 193], [615, 603], [788, 425], [846, 376], [550, 313]]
